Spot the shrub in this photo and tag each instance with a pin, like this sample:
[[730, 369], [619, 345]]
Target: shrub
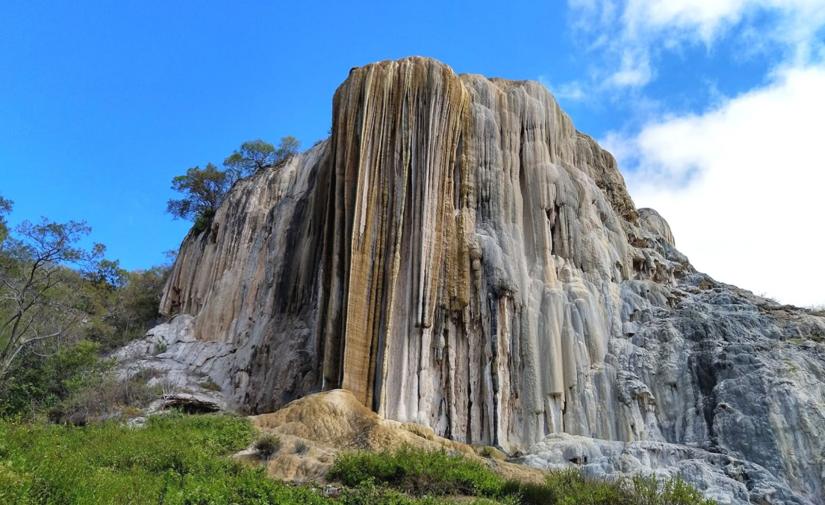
[[675, 491], [210, 385], [418, 472], [490, 452], [40, 382], [267, 445], [569, 487], [102, 397]]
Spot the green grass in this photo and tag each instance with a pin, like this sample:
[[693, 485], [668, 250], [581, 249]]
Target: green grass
[[420, 473], [174, 460], [183, 460]]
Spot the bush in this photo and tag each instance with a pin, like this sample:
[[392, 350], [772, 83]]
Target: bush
[[569, 487], [650, 491], [40, 382], [106, 397], [267, 445], [370, 494], [418, 473]]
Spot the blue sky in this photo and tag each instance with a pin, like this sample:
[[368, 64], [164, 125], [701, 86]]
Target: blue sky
[[103, 102]]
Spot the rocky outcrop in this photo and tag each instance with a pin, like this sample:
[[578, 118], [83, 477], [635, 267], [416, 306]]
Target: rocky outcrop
[[459, 256]]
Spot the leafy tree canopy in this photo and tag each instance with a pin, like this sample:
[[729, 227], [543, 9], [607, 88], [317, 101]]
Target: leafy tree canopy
[[204, 189], [255, 155], [286, 149], [37, 302]]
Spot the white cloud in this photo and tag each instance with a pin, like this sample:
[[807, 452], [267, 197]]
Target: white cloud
[[572, 91], [629, 35], [634, 70], [743, 184]]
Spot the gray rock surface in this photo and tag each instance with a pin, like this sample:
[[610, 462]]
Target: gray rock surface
[[191, 373], [720, 477], [459, 256]]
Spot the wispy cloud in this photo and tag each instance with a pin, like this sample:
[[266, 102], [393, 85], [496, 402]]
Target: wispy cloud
[[628, 37], [573, 91]]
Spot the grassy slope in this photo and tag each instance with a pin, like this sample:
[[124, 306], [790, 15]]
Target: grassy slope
[[437, 473], [183, 460]]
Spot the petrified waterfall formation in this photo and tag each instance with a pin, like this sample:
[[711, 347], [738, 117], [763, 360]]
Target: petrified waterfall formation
[[458, 255]]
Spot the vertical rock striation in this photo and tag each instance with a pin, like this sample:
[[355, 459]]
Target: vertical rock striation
[[459, 256]]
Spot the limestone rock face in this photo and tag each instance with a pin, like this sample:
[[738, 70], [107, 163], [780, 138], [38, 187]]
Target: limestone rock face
[[457, 255]]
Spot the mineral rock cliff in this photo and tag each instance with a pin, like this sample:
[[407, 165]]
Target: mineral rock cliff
[[458, 255]]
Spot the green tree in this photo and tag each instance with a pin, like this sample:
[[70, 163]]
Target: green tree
[[286, 149], [132, 308], [37, 308], [5, 208], [255, 155], [204, 189], [107, 274], [40, 381]]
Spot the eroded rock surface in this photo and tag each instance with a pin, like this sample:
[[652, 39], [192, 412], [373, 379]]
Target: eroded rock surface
[[459, 256]]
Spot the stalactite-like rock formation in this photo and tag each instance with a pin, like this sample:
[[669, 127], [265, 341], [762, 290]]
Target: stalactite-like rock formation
[[459, 256]]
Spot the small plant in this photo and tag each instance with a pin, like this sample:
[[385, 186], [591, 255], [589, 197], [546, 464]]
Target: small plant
[[267, 445], [490, 452], [145, 374], [301, 447], [210, 385]]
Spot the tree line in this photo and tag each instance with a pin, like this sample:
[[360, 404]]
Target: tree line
[[63, 306]]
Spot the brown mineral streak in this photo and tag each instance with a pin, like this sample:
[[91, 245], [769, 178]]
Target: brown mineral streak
[[413, 111]]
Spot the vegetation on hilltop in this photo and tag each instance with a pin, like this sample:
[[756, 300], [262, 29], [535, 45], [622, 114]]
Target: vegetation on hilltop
[[256, 155], [204, 189]]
